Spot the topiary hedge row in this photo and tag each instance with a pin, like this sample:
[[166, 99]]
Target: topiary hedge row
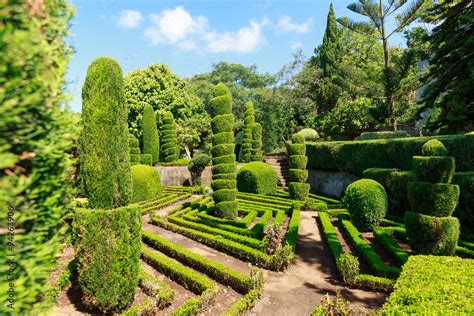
[[249, 121], [151, 143], [257, 177], [169, 147], [223, 157], [429, 226], [298, 188], [383, 135]]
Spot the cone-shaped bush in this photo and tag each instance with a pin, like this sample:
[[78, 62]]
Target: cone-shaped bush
[[249, 121], [151, 142], [104, 152], [223, 157], [298, 188], [169, 147], [257, 154], [430, 227], [134, 150]]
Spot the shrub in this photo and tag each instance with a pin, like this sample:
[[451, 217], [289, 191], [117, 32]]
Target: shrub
[[108, 254], [223, 122], [465, 209], [392, 247], [431, 234], [104, 158], [169, 147], [293, 227], [298, 189], [196, 166], [433, 148], [383, 135], [367, 203], [356, 156], [146, 159], [249, 121], [257, 153], [151, 142], [349, 267], [437, 199], [309, 134], [434, 169], [257, 177], [433, 285], [146, 183]]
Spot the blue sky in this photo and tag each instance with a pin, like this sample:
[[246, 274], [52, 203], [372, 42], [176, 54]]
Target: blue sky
[[190, 36]]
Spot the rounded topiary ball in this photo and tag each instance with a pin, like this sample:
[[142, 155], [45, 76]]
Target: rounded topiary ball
[[433, 147], [367, 203], [309, 134], [257, 177], [146, 183]]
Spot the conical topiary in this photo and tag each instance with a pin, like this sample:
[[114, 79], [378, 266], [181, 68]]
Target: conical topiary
[[298, 188], [257, 154], [249, 121], [151, 143], [169, 148], [134, 150]]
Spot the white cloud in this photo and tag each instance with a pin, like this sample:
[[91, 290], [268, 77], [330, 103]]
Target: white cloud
[[129, 18], [286, 25], [178, 27], [296, 45]]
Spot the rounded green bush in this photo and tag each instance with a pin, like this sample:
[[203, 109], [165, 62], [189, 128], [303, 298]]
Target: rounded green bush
[[151, 143], [146, 183], [146, 159], [104, 152], [298, 162], [309, 134], [297, 149], [432, 235], [297, 139], [298, 175], [222, 126], [367, 203], [298, 191], [257, 177], [169, 148], [433, 147], [436, 199], [435, 169], [257, 153]]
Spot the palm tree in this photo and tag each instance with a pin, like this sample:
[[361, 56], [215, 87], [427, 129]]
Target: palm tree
[[378, 13]]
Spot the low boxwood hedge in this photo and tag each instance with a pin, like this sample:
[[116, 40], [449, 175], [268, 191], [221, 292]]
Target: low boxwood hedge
[[292, 233], [392, 247], [259, 227], [159, 290]]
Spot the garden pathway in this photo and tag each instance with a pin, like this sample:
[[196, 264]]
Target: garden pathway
[[313, 275]]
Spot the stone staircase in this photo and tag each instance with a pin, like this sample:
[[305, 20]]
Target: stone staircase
[[280, 164]]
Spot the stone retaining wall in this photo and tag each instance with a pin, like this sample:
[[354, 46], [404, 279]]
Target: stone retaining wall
[[329, 183]]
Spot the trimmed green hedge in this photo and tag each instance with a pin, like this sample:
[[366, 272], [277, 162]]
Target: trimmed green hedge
[[435, 199], [146, 183], [434, 169], [392, 247], [431, 285], [383, 135], [156, 288], [151, 142], [257, 153], [169, 147], [222, 124], [257, 177], [146, 159], [356, 156], [108, 255], [292, 231], [249, 121], [433, 147], [331, 236], [241, 306], [465, 209], [298, 188], [259, 227]]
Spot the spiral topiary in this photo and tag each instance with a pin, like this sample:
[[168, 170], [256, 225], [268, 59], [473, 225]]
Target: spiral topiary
[[298, 188], [257, 154], [169, 148], [151, 143], [249, 121], [223, 157], [134, 150], [430, 227]]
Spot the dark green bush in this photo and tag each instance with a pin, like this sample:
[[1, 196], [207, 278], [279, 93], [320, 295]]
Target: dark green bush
[[169, 147], [257, 177], [108, 254], [465, 209], [433, 148], [222, 124], [298, 175], [434, 169], [257, 153], [438, 199], [249, 121], [432, 235], [356, 156], [298, 191], [196, 166], [146, 183], [146, 159], [431, 285], [367, 203], [104, 159], [383, 135], [151, 142], [298, 162]]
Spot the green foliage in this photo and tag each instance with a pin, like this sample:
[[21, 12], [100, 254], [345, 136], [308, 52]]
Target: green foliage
[[356, 156], [146, 159], [309, 134], [169, 147], [331, 236], [298, 191], [146, 183], [293, 226], [451, 52], [159, 290], [434, 169], [223, 122], [257, 177], [433, 285], [257, 153], [392, 247], [104, 159], [36, 137], [196, 166], [249, 121], [151, 142], [349, 267], [383, 135], [432, 235], [246, 303], [367, 203], [438, 199], [433, 147], [465, 209], [259, 226], [108, 255]]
